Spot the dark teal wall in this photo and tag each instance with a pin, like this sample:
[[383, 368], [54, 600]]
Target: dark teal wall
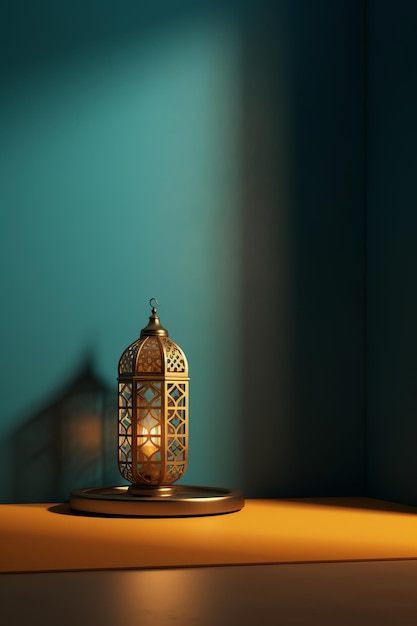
[[303, 251], [392, 250], [210, 154]]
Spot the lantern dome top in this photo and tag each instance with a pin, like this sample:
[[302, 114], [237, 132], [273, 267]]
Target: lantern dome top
[[154, 353]]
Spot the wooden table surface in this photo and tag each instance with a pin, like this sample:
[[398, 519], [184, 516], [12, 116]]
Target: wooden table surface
[[48, 537]]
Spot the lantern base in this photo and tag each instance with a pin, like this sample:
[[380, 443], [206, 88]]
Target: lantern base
[[177, 501]]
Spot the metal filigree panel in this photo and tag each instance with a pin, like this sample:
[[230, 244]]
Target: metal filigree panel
[[128, 358], [125, 430], [174, 357], [150, 357], [177, 431]]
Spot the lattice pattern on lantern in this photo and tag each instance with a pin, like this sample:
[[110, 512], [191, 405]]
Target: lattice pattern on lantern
[[175, 361], [125, 430], [149, 432], [150, 356], [128, 358], [177, 430], [175, 472]]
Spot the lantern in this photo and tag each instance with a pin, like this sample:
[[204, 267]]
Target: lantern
[[153, 437], [153, 409]]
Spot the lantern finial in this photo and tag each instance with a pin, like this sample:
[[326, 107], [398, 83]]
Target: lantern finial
[[153, 305], [154, 327]]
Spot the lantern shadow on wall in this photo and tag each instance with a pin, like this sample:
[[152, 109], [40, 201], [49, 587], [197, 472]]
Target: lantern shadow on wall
[[68, 442]]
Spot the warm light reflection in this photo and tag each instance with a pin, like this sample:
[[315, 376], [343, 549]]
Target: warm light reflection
[[134, 590]]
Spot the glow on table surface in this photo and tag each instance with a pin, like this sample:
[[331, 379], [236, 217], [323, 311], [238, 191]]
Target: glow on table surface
[[371, 593], [47, 537]]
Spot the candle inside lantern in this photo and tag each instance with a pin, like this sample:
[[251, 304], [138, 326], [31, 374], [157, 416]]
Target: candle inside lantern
[[149, 431]]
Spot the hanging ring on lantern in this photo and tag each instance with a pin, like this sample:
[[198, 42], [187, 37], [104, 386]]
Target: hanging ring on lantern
[[156, 302]]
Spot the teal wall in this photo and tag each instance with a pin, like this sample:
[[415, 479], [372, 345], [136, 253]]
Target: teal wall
[[392, 250], [303, 251], [210, 154]]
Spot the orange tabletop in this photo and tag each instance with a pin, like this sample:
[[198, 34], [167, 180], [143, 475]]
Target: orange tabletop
[[48, 537]]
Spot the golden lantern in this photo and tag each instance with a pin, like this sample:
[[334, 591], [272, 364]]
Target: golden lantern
[[153, 409], [153, 437]]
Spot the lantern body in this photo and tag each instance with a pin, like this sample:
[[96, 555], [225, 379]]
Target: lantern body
[[153, 410]]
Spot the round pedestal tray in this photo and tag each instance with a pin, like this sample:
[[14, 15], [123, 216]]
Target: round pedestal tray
[[174, 501]]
